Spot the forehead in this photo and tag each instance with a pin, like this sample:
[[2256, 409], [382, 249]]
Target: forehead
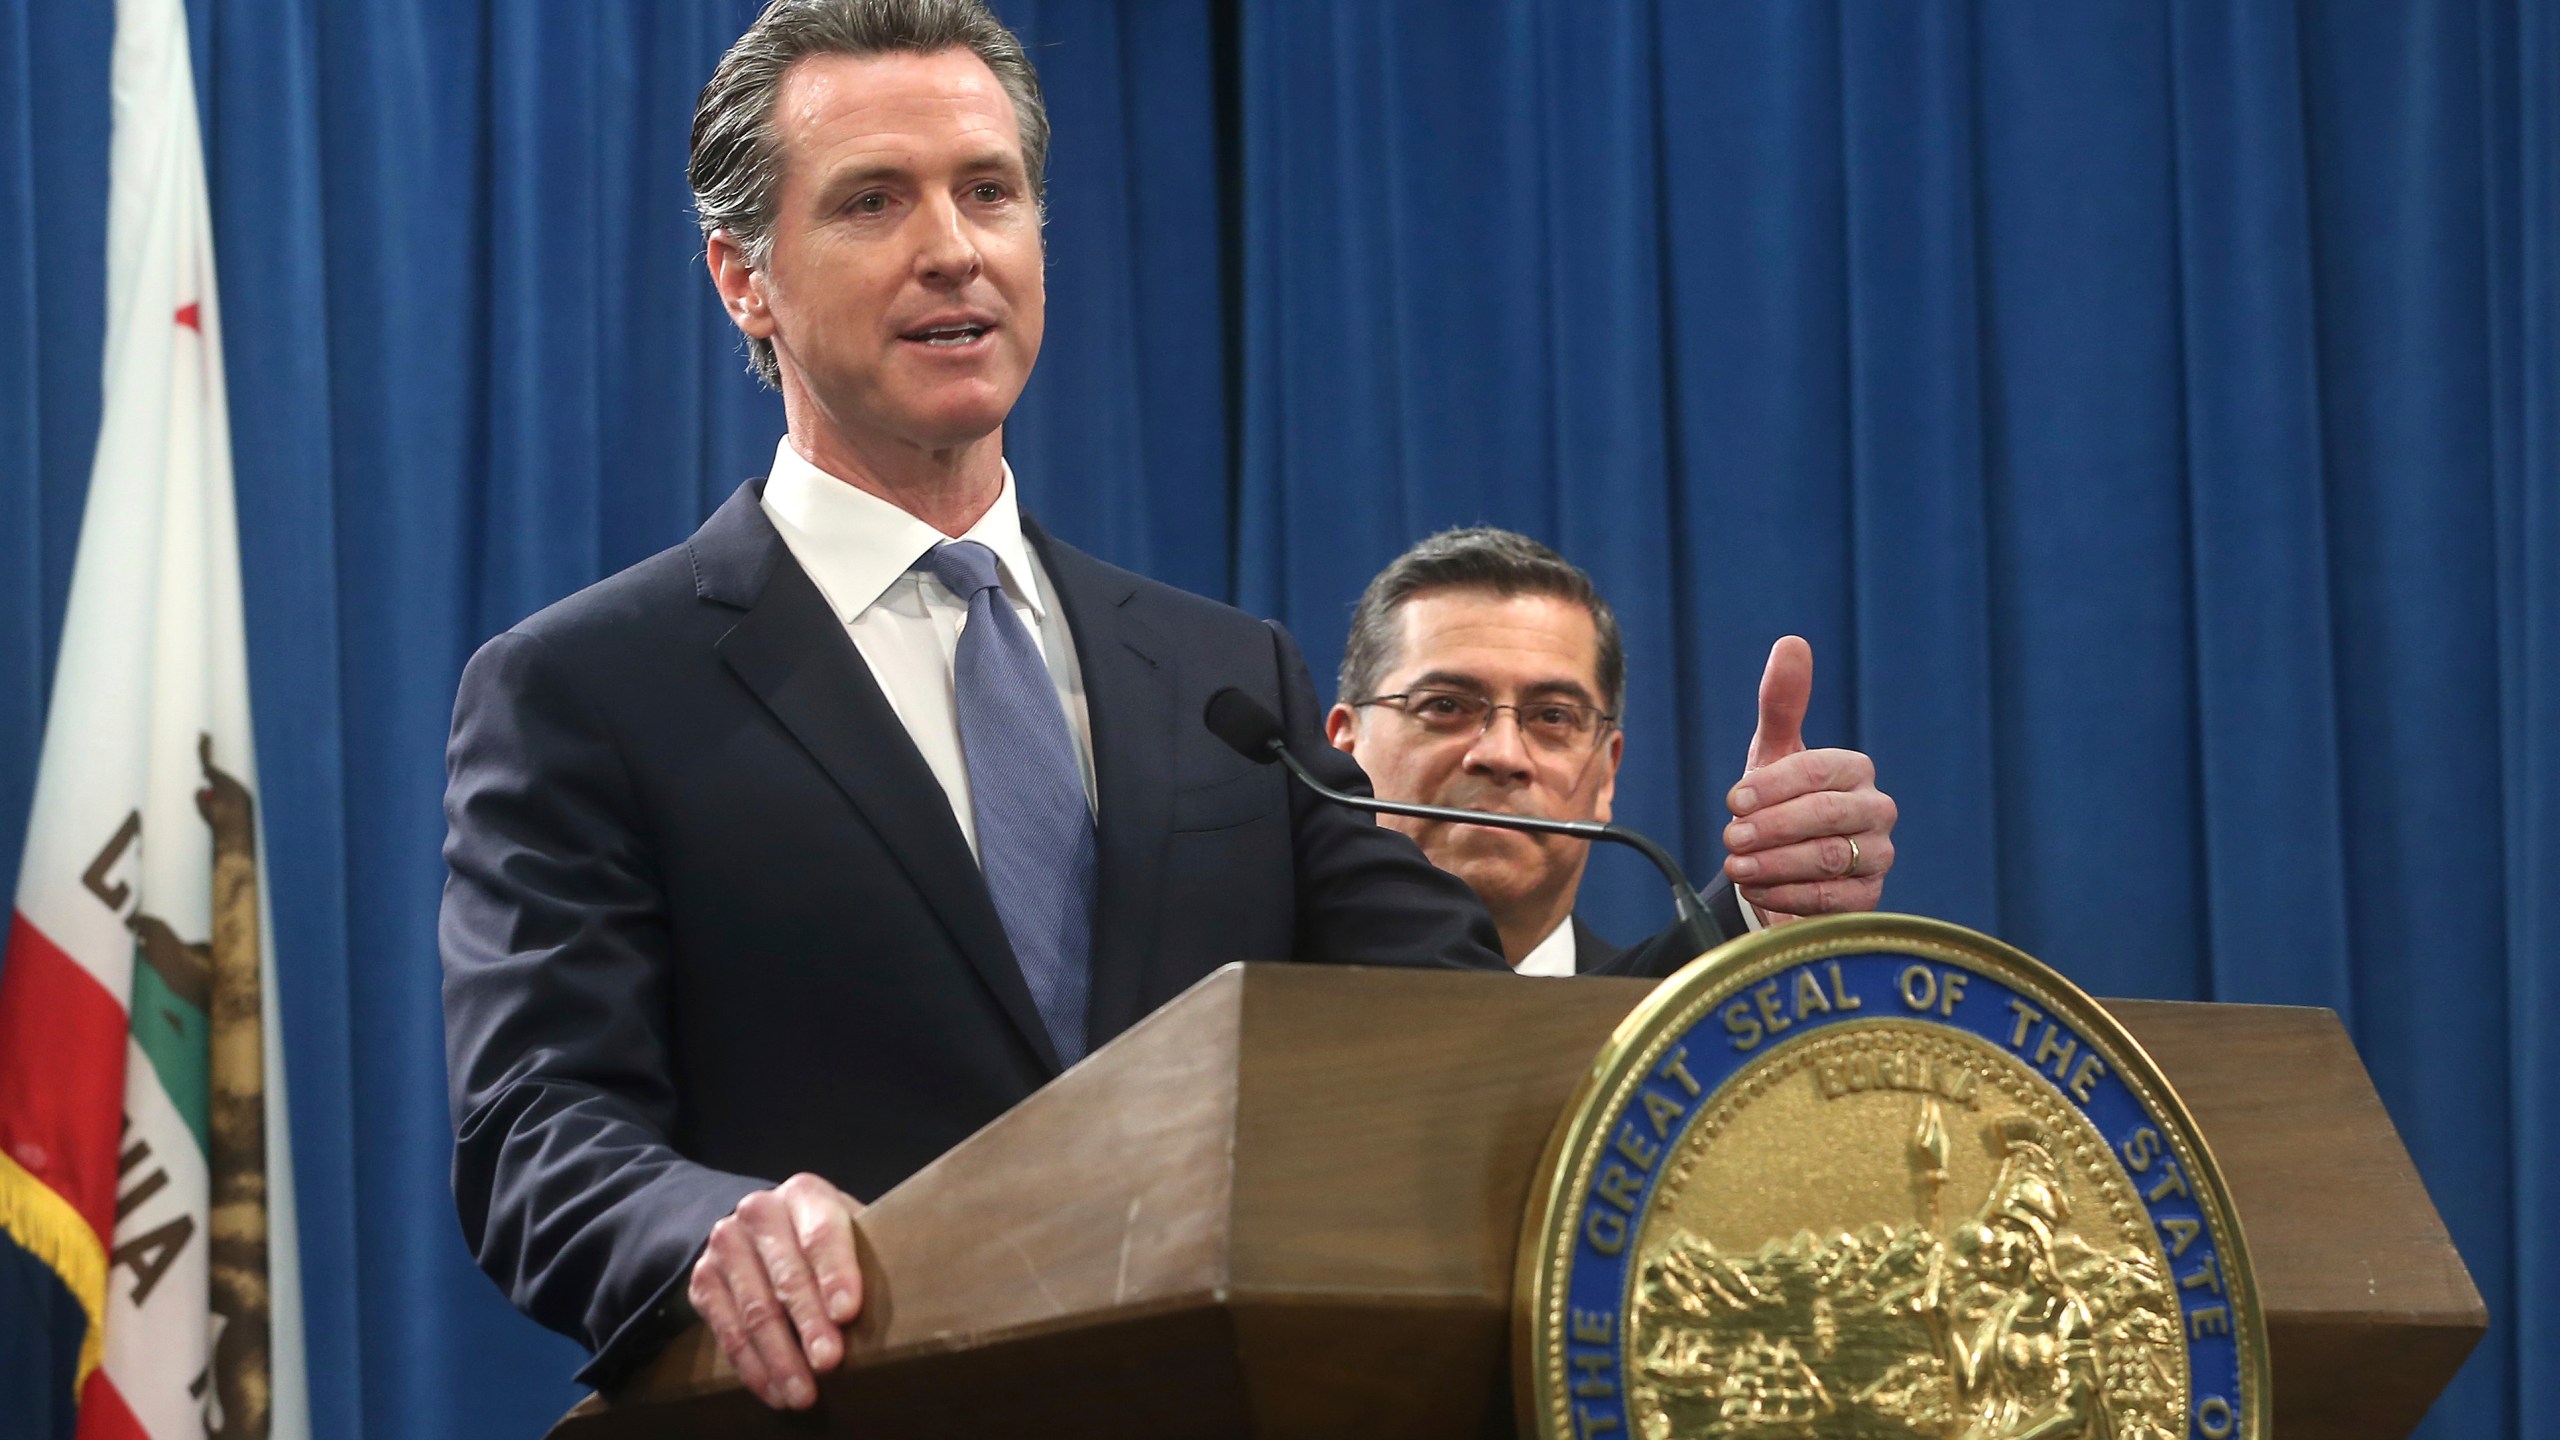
[[1505, 642], [895, 108]]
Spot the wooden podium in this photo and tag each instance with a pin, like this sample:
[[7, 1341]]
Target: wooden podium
[[1286, 1205]]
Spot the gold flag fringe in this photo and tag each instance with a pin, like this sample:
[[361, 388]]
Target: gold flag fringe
[[47, 1227]]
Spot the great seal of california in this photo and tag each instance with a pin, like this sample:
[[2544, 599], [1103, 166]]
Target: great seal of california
[[1880, 1176]]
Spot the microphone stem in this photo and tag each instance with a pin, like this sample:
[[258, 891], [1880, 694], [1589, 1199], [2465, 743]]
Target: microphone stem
[[1684, 896]]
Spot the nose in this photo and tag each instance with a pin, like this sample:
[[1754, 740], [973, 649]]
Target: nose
[[1501, 752], [946, 252]]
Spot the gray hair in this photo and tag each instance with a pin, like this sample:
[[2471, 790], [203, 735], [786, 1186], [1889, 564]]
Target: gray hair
[[736, 168], [1501, 561]]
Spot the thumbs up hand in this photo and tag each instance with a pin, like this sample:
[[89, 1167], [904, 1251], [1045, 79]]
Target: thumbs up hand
[[1811, 833]]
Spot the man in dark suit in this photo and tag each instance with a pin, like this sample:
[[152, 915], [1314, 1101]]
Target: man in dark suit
[[1485, 671], [808, 847]]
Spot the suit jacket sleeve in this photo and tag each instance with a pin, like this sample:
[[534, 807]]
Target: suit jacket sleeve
[[1366, 895], [1669, 948], [555, 962]]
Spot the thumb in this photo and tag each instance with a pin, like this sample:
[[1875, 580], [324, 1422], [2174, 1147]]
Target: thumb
[[1786, 689]]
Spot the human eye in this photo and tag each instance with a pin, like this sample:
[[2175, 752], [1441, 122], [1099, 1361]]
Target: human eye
[[1439, 706], [990, 192], [1557, 717], [869, 202]]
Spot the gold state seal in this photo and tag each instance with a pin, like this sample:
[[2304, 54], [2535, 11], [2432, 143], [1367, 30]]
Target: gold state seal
[[1881, 1176]]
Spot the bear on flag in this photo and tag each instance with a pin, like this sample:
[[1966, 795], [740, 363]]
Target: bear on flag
[[148, 1275]]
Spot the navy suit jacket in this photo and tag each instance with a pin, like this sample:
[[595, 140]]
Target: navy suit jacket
[[710, 921], [1664, 951]]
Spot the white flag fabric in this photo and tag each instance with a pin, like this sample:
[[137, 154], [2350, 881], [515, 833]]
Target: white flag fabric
[[143, 1145]]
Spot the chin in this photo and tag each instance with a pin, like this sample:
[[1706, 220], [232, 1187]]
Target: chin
[[965, 421], [1497, 878]]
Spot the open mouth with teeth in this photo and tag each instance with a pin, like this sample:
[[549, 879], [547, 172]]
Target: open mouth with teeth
[[948, 337]]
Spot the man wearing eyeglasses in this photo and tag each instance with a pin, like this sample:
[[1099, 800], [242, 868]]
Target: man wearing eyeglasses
[[1485, 671]]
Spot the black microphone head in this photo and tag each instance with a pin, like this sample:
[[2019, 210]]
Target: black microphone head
[[1241, 721]]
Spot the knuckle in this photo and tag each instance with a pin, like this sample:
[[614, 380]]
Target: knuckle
[[788, 1276], [776, 1249], [756, 1312], [817, 1224], [771, 1243], [791, 1285], [1839, 812]]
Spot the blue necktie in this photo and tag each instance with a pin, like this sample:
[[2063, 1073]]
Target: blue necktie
[[1026, 791]]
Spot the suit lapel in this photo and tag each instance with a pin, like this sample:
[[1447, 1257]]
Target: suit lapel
[[1591, 954], [792, 652], [1128, 689]]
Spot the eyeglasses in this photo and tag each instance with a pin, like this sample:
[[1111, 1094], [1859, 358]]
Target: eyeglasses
[[1558, 725]]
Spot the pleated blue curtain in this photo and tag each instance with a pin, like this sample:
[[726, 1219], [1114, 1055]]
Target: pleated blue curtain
[[1120, 442], [53, 291], [2146, 409], [471, 369]]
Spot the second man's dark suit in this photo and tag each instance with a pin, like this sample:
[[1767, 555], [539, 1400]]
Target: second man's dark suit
[[710, 919], [1663, 952]]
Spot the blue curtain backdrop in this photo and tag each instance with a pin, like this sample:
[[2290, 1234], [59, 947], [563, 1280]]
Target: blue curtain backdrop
[[2150, 411]]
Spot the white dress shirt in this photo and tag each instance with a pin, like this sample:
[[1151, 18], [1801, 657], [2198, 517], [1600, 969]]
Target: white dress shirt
[[1557, 954], [859, 549], [1552, 956]]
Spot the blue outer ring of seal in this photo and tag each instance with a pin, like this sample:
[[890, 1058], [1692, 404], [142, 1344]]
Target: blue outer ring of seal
[[1609, 1209]]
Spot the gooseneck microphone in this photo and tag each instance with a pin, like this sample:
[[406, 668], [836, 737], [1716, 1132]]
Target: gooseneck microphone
[[1255, 733]]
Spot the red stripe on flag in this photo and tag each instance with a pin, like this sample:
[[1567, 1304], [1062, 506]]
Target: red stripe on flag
[[62, 1049], [103, 1415]]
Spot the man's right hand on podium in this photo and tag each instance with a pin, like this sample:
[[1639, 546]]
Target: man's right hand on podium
[[777, 1282]]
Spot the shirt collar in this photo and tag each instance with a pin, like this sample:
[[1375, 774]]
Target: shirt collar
[[855, 545], [1553, 956]]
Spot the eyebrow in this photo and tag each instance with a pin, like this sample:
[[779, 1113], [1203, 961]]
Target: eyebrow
[[840, 184], [1542, 689], [1004, 162]]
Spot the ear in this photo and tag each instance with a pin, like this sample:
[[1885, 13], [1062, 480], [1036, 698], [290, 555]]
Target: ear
[[1342, 729], [740, 285], [1610, 754]]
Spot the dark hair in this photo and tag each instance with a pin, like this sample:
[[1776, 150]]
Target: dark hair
[[736, 169], [1501, 561]]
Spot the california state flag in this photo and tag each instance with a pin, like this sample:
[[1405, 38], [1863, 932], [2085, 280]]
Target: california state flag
[[148, 1284]]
